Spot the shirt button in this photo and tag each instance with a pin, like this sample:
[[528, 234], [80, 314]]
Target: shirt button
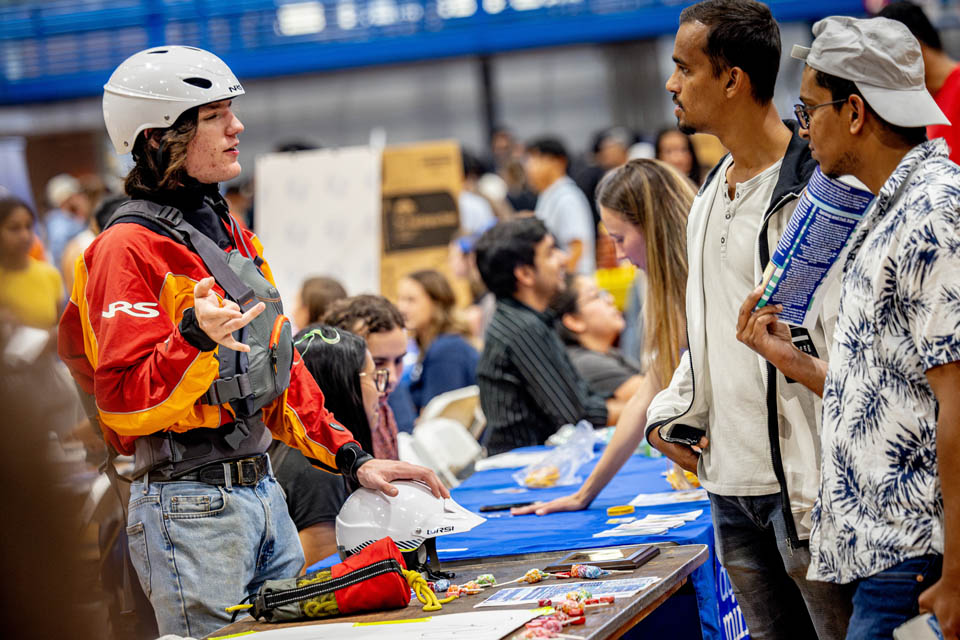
[[727, 216], [722, 240]]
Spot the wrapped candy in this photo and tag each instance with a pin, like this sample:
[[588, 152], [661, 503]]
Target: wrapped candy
[[441, 585], [486, 580], [598, 602], [571, 607], [588, 571], [579, 595], [550, 624], [534, 575]]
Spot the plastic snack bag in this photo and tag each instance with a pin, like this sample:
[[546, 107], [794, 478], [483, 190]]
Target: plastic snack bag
[[681, 479], [559, 467]]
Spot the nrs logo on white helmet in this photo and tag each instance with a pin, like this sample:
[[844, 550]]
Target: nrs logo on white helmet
[[410, 518], [150, 89]]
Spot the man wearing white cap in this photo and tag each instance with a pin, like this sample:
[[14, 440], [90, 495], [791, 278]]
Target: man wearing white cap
[[751, 435], [888, 516], [70, 215]]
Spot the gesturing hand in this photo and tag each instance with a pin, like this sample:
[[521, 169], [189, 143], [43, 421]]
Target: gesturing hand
[[219, 320]]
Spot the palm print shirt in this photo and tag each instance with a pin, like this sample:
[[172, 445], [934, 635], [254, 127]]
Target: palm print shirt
[[880, 500]]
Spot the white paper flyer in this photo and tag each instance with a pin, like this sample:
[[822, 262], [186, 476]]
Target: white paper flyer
[[532, 595]]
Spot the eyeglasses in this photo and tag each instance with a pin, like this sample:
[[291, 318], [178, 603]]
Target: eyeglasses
[[598, 294], [317, 333], [381, 379], [802, 111]]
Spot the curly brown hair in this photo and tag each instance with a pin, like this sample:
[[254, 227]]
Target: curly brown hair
[[363, 315], [161, 156]]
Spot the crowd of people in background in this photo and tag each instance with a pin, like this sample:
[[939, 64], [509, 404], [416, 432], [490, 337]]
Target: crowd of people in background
[[518, 312]]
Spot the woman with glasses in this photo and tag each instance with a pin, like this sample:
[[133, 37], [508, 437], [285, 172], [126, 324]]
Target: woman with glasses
[[352, 387], [589, 324], [644, 206], [447, 361]]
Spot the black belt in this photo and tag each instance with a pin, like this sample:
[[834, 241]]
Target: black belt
[[245, 472]]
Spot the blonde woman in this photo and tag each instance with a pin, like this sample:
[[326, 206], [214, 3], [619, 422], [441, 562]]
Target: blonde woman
[[643, 205]]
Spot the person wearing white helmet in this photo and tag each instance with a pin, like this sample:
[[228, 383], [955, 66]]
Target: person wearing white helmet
[[175, 329]]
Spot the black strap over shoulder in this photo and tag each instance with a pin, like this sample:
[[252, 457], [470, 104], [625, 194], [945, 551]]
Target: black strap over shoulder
[[248, 381], [169, 221]]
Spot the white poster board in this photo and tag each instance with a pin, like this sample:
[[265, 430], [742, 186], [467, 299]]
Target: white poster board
[[318, 213]]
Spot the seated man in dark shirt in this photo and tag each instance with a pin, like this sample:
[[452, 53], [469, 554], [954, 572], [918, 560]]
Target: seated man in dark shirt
[[528, 387]]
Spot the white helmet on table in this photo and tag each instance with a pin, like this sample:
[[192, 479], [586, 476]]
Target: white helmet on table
[[150, 89], [411, 518]]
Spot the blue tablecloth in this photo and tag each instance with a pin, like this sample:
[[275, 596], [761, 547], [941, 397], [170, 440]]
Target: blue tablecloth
[[504, 534]]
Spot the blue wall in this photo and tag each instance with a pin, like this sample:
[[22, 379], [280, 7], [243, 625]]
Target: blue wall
[[59, 50]]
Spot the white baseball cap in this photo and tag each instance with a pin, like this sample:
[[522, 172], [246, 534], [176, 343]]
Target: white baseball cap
[[60, 187], [883, 59]]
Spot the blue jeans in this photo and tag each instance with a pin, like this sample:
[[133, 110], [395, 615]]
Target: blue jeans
[[199, 548], [769, 577], [885, 600]]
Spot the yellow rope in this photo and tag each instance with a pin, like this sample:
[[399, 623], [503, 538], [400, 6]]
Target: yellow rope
[[424, 593], [326, 605], [322, 606], [239, 607]]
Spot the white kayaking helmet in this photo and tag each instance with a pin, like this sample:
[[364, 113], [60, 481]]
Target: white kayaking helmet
[[150, 89], [411, 518]]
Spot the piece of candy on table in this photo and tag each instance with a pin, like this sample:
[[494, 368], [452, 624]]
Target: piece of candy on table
[[553, 625], [534, 575], [586, 571], [486, 580], [572, 608], [441, 585]]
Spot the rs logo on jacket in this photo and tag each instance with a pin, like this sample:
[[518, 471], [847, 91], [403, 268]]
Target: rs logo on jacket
[[137, 309]]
